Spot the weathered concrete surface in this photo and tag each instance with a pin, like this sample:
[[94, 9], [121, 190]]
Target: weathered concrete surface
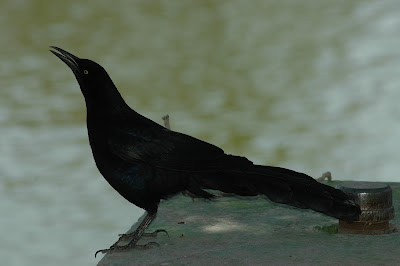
[[254, 231]]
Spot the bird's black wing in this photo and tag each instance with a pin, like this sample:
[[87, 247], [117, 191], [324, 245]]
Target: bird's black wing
[[163, 148]]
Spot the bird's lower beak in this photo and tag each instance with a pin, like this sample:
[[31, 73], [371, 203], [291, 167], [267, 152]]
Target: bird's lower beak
[[68, 58]]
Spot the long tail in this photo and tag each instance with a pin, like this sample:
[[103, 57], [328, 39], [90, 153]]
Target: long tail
[[288, 187]]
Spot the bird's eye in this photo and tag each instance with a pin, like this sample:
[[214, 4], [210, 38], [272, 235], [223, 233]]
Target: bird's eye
[[85, 72]]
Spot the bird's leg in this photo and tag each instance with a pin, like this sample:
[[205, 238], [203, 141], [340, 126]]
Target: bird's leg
[[136, 236]]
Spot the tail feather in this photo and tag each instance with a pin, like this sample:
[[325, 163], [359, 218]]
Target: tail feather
[[288, 187]]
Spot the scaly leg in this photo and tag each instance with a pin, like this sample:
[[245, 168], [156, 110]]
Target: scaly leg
[[136, 236]]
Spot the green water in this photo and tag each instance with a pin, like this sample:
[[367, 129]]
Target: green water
[[308, 85]]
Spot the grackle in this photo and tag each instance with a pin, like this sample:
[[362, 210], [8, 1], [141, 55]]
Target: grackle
[[146, 162]]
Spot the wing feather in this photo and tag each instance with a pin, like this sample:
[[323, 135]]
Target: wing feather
[[165, 148]]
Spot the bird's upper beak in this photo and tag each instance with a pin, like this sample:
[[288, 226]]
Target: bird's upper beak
[[68, 58]]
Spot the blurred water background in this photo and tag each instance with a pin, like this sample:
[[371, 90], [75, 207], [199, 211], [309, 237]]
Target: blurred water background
[[308, 85]]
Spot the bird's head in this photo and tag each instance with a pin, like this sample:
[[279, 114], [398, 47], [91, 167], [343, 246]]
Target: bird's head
[[90, 75]]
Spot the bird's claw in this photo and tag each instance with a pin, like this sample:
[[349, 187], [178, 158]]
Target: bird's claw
[[154, 234], [126, 247], [104, 251]]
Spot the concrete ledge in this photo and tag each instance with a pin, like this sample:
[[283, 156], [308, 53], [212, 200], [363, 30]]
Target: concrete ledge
[[254, 231]]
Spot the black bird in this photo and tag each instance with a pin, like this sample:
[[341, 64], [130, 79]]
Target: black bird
[[146, 162]]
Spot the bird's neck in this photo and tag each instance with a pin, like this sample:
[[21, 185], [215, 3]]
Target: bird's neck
[[103, 110], [106, 102]]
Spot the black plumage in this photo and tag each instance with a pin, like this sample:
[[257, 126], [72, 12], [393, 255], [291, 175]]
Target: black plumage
[[146, 162]]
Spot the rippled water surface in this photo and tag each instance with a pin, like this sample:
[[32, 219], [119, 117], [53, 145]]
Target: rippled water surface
[[308, 85]]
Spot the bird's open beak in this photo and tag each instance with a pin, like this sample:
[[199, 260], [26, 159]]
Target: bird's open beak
[[68, 58]]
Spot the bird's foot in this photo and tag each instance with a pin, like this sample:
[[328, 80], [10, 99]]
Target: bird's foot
[[154, 234], [116, 247]]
